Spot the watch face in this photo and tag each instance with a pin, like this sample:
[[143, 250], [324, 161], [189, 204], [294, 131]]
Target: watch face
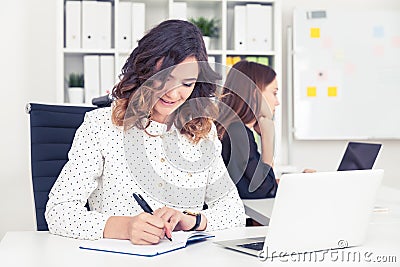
[[193, 213]]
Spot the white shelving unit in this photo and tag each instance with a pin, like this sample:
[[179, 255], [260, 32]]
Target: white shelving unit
[[71, 60]]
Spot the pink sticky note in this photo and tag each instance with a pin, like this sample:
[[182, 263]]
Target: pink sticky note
[[378, 51], [396, 41], [350, 68], [327, 42]]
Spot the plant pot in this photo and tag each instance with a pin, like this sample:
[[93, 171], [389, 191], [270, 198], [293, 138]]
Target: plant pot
[[76, 95], [207, 41]]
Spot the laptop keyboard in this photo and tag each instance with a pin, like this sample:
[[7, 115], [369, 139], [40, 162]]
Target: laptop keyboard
[[255, 245]]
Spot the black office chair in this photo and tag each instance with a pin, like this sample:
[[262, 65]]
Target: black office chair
[[52, 130]]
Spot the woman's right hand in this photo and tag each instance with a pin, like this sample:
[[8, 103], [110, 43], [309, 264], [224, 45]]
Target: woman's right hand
[[142, 229], [265, 128], [265, 110], [146, 229], [265, 123]]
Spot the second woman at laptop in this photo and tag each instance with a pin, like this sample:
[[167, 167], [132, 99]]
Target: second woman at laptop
[[248, 102]]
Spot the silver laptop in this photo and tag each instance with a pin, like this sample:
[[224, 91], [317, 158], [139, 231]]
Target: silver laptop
[[316, 211]]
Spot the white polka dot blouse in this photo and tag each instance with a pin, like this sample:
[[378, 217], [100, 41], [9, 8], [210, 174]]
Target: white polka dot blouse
[[106, 165]]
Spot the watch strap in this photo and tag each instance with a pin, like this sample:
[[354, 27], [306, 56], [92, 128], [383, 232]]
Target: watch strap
[[198, 219]]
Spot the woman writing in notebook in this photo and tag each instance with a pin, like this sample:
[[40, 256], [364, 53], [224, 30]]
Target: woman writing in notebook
[[156, 140]]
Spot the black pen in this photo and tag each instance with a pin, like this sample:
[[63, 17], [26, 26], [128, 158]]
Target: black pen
[[146, 208]]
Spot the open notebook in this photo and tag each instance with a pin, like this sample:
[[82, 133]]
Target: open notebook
[[180, 240]]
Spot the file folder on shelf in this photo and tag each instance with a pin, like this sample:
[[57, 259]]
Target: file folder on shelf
[[73, 24], [263, 60], [138, 22], [121, 60], [258, 27], [240, 28], [211, 62], [266, 33], [96, 25], [236, 59], [125, 26], [229, 61], [107, 76], [91, 70], [252, 59], [179, 10]]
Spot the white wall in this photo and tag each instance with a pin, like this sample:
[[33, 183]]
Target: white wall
[[27, 70], [325, 155]]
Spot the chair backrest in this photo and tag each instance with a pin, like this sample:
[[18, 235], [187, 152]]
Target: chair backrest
[[52, 130]]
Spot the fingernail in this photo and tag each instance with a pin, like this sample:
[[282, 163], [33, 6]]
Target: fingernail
[[169, 234]]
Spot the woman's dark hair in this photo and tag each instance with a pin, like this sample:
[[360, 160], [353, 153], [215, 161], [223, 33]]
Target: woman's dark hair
[[240, 93], [163, 47]]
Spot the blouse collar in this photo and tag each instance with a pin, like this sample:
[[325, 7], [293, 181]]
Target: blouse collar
[[157, 128]]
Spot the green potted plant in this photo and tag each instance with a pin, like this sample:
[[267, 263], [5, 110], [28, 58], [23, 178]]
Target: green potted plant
[[208, 27], [76, 88]]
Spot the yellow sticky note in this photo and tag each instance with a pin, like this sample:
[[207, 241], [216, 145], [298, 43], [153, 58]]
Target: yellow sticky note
[[311, 91], [332, 91], [314, 33]]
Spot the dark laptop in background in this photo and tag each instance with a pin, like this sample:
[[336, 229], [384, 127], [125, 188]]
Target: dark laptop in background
[[359, 156]]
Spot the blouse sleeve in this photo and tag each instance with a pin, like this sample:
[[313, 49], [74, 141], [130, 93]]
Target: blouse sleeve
[[225, 208], [66, 213]]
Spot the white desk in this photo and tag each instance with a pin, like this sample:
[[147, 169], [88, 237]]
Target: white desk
[[261, 209], [41, 249]]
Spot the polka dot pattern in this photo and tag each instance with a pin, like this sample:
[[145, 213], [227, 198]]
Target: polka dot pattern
[[98, 172]]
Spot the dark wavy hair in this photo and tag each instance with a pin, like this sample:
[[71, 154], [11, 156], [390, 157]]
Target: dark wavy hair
[[241, 93], [163, 47]]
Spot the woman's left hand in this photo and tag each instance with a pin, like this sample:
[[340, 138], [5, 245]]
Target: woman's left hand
[[309, 170], [177, 219]]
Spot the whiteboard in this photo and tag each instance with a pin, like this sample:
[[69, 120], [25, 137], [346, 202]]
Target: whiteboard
[[346, 74]]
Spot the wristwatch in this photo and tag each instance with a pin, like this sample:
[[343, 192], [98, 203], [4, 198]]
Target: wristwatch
[[198, 218]]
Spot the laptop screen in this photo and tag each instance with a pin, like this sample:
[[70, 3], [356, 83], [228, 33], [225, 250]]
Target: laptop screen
[[359, 156]]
